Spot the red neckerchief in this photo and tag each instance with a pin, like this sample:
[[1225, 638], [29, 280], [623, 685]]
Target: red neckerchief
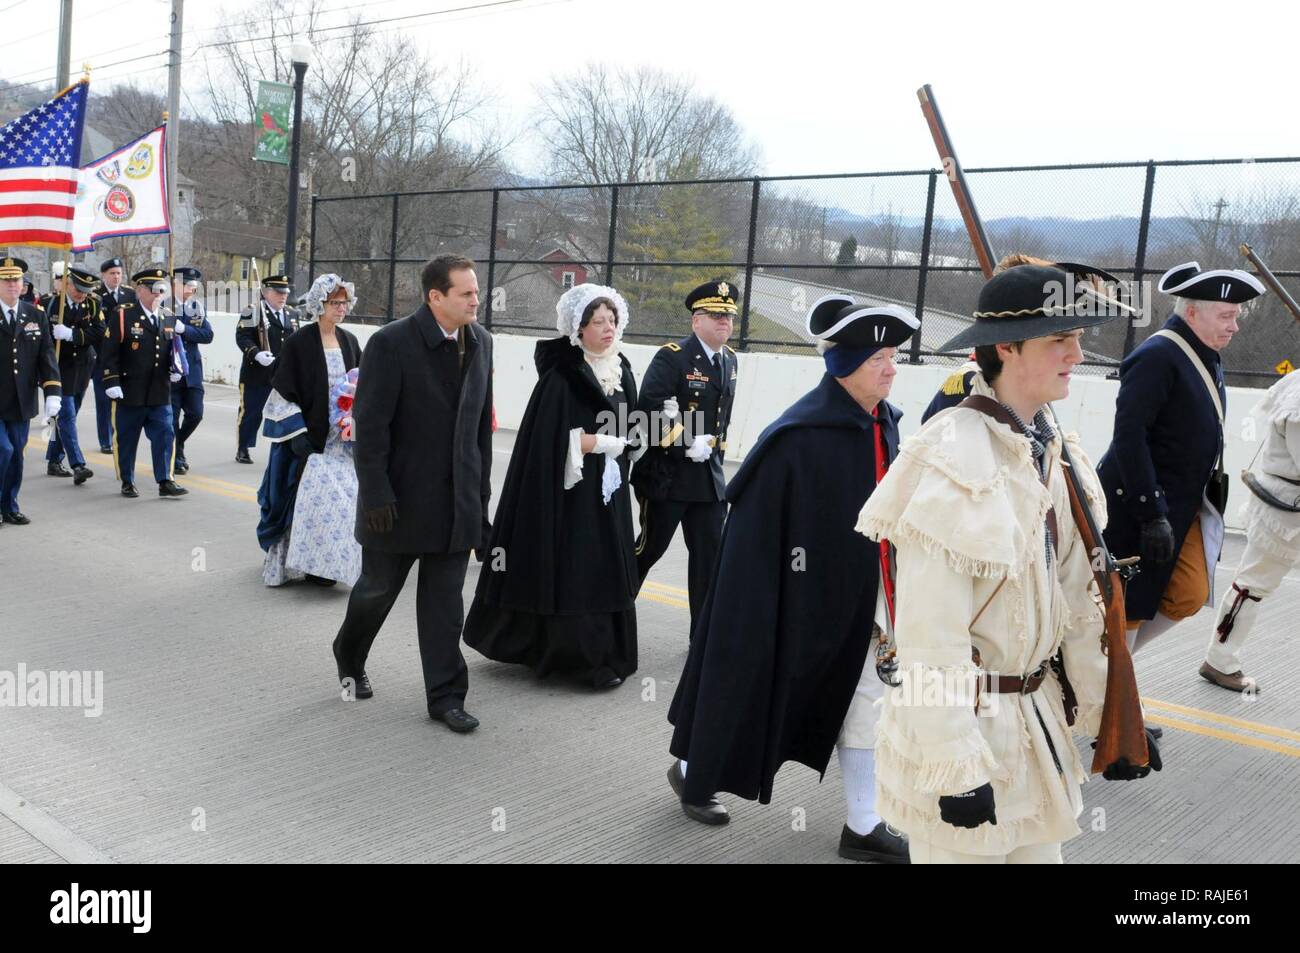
[[886, 559]]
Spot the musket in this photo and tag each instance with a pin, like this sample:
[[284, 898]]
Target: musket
[[1121, 734], [263, 336], [1271, 281]]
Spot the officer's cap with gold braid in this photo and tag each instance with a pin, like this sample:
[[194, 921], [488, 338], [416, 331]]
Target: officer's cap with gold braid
[[713, 297], [276, 282], [147, 276], [1033, 301], [11, 267], [82, 280]]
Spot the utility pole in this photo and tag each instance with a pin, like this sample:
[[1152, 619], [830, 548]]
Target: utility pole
[[64, 79], [1219, 206], [174, 104]]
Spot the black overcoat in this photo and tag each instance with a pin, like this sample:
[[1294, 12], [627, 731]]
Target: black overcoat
[[301, 376]]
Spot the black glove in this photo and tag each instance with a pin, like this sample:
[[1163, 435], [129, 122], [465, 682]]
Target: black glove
[[1122, 770], [1157, 542], [970, 809], [381, 518], [301, 445]]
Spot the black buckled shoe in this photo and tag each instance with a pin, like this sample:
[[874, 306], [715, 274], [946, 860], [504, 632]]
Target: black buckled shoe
[[171, 488], [129, 490], [712, 812], [15, 518], [242, 456], [883, 845], [457, 719], [81, 475], [57, 469]]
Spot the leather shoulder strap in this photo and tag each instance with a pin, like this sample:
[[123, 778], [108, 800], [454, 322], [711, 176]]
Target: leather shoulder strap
[[1200, 367]]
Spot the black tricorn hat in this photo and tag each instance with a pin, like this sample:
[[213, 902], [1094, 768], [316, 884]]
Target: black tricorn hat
[[838, 318], [1032, 301], [1229, 285]]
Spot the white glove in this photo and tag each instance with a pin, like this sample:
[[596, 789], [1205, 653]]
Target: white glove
[[265, 358], [52, 405], [174, 378], [62, 332], [113, 393], [670, 409], [180, 326], [609, 444], [699, 450]]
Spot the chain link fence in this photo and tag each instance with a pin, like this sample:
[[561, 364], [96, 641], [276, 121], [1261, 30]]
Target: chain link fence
[[884, 237]]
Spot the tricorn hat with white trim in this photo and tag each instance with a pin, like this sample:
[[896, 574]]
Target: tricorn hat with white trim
[[838, 318], [1229, 285]]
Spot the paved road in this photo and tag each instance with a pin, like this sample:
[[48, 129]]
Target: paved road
[[223, 737]]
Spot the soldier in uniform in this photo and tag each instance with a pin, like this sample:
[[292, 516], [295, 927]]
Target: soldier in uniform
[[260, 335], [137, 370], [27, 362], [187, 387], [77, 326], [113, 293], [687, 395]]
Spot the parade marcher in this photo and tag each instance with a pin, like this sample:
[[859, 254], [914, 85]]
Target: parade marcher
[[309, 490], [77, 326], [424, 464], [1163, 473], [27, 362], [187, 392], [688, 389], [976, 766], [262, 330], [137, 376], [114, 294], [1271, 515], [558, 591], [781, 666], [29, 290]]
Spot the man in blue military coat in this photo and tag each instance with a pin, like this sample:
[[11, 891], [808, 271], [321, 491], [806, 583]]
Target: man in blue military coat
[[77, 325], [187, 386], [1165, 459]]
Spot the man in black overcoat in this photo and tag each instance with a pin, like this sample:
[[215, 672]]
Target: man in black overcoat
[[423, 455]]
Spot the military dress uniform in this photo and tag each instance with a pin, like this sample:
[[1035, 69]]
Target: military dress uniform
[[27, 362], [76, 357], [110, 300], [138, 360], [187, 393], [671, 487], [255, 379]]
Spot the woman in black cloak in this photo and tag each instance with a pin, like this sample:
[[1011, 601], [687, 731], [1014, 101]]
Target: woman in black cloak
[[559, 580]]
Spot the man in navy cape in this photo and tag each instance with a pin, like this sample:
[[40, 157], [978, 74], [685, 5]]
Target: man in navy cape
[[780, 665]]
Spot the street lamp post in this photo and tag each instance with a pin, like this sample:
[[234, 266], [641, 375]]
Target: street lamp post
[[301, 54]]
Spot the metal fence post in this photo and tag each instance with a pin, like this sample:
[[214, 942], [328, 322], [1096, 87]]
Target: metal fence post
[[613, 235], [923, 272], [1140, 259], [492, 260], [749, 265], [392, 260], [311, 242]]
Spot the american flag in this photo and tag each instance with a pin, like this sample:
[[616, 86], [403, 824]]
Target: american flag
[[40, 156]]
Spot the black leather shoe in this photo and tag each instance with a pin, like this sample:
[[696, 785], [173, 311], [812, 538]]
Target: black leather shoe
[[171, 488], [242, 456], [457, 719], [360, 683], [180, 466], [712, 812], [883, 845], [57, 469], [81, 475], [1156, 731], [129, 490], [106, 450], [16, 518], [611, 683], [321, 581]]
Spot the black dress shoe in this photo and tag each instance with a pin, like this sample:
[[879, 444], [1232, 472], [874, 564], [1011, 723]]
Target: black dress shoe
[[243, 457], [107, 450], [611, 683], [1156, 731], [81, 475], [57, 469], [171, 488], [712, 812], [321, 581], [16, 518], [129, 490], [180, 466], [457, 719], [360, 683], [883, 845]]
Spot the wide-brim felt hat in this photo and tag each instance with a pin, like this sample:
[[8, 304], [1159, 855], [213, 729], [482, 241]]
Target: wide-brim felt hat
[[1032, 301], [1228, 285]]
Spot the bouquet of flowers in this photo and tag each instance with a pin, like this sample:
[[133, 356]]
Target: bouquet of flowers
[[341, 399]]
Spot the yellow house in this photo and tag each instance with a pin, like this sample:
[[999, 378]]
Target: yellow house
[[236, 251]]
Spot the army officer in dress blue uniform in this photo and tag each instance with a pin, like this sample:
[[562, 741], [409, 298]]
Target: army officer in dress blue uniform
[[114, 294], [688, 391], [26, 362], [1165, 458], [137, 372], [269, 313], [77, 326], [187, 387]]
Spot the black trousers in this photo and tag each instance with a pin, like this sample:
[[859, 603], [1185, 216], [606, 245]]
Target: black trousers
[[701, 526], [439, 616]]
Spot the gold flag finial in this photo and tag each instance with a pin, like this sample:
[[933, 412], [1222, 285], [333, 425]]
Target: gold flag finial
[[85, 72]]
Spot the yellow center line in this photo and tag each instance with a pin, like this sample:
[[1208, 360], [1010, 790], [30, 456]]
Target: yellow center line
[[666, 600], [660, 587], [1225, 735], [1224, 719]]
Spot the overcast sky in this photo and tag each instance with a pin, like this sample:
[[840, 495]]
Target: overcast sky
[[831, 87]]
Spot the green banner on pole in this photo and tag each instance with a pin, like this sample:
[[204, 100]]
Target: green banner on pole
[[272, 122]]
